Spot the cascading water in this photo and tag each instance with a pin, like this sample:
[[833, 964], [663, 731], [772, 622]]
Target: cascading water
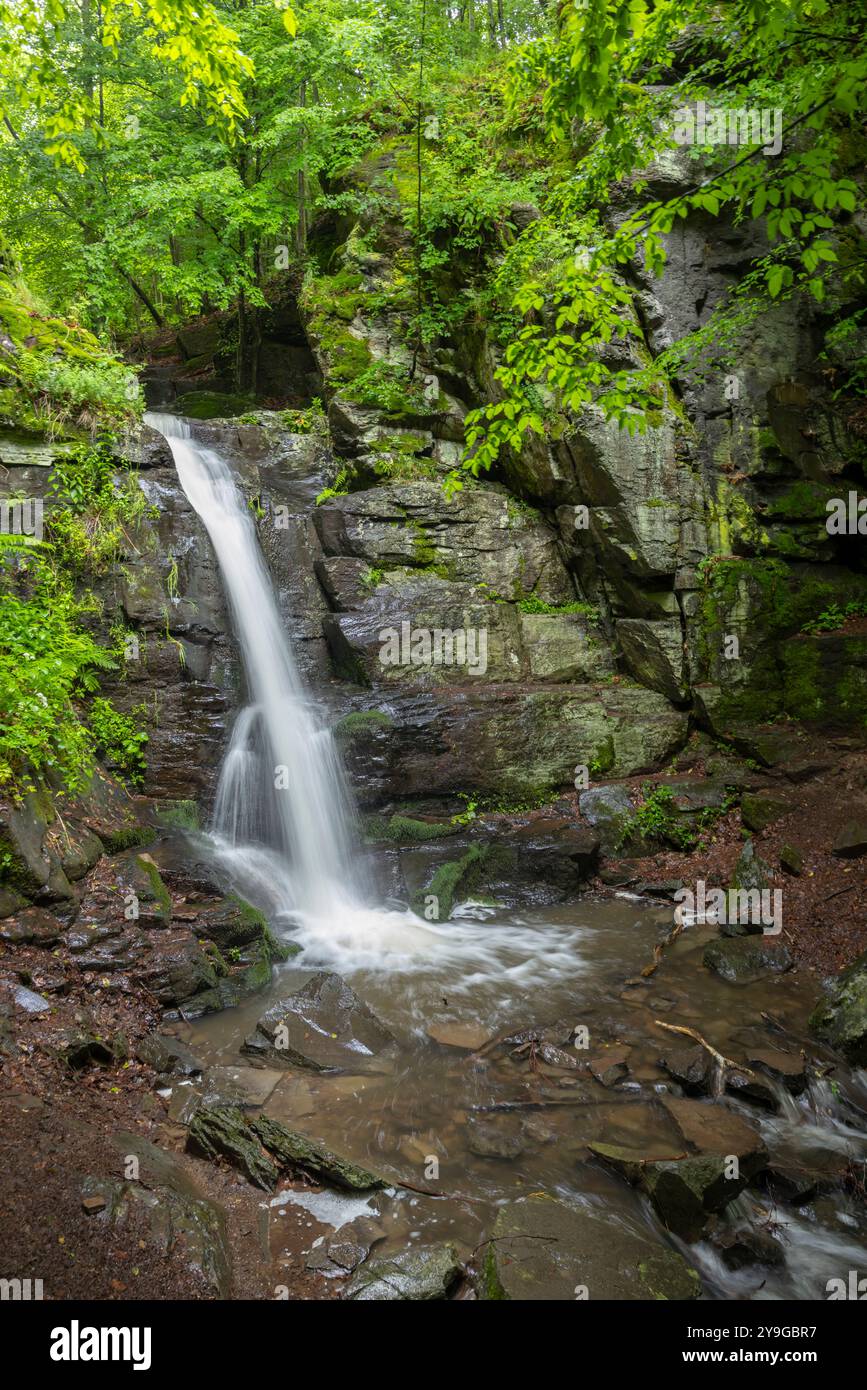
[[283, 811], [281, 785]]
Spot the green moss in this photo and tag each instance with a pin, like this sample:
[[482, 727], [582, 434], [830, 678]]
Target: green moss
[[465, 875], [179, 815], [362, 722], [212, 405], [404, 830], [134, 836], [161, 894], [803, 501]]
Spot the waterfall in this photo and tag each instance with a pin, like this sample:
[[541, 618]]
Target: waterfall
[[281, 785]]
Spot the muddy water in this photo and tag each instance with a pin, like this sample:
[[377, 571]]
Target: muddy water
[[572, 967]]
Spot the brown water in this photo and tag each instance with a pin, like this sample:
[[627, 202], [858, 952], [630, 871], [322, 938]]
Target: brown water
[[421, 1116]]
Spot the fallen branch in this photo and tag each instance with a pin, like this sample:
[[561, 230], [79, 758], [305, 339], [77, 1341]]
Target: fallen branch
[[722, 1062], [660, 947]]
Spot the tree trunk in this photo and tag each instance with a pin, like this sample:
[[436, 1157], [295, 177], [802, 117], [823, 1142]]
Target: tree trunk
[[301, 225], [492, 24]]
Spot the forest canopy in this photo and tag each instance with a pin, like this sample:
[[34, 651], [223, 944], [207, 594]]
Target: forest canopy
[[157, 160]]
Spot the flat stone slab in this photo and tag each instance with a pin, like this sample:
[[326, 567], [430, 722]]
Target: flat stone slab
[[323, 1026], [541, 1250]]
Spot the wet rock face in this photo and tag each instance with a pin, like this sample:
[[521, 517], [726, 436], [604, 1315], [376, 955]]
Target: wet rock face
[[541, 1249], [413, 1275], [743, 959], [323, 1026], [841, 1019], [521, 740]]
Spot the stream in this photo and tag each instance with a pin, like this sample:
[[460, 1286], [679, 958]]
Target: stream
[[441, 1112]]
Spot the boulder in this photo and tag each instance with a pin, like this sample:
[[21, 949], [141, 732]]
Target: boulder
[[541, 1249], [168, 1056], [417, 1274], [743, 959], [610, 811], [687, 1187], [323, 1026], [185, 1223], [851, 841], [654, 654], [841, 1018], [222, 1132], [293, 1152], [751, 876], [761, 809]]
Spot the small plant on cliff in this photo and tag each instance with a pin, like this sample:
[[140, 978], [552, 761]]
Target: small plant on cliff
[[94, 509], [834, 617], [118, 738]]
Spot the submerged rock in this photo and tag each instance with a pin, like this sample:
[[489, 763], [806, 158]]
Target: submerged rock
[[541, 1249], [414, 1275], [841, 1019], [491, 1136], [746, 1246], [323, 1026], [743, 959]]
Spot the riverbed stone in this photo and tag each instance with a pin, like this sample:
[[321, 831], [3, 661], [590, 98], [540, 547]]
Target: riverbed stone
[[742, 959], [841, 1018], [542, 1249], [167, 1055], [323, 1026], [752, 876], [417, 1274]]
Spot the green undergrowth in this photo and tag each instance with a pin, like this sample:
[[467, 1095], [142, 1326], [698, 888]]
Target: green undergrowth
[[57, 378]]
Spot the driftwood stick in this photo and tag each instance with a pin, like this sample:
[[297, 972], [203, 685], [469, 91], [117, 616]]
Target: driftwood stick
[[721, 1061]]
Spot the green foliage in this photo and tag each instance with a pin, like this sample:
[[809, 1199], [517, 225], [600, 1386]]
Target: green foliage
[[118, 739], [88, 526], [60, 379], [835, 616], [47, 663], [657, 818], [531, 604]]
